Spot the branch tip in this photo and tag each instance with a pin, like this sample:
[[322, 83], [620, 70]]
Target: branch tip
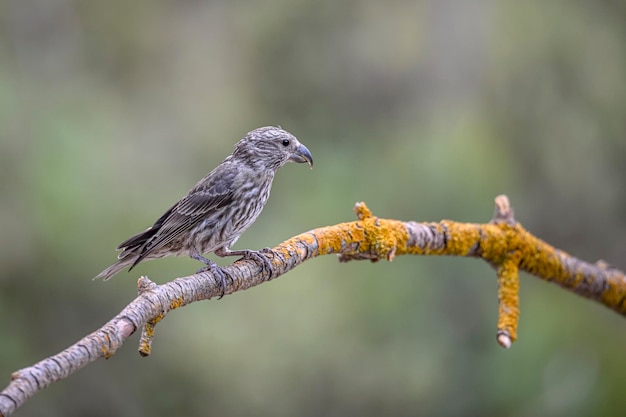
[[602, 264], [362, 212], [504, 340], [145, 284], [503, 211]]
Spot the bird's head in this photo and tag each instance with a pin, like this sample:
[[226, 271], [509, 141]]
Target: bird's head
[[269, 148]]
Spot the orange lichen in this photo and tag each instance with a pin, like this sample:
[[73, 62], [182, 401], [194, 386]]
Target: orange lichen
[[331, 240], [362, 211], [157, 318], [145, 343], [285, 250], [386, 237], [106, 350], [503, 242], [177, 303], [613, 295], [508, 299]]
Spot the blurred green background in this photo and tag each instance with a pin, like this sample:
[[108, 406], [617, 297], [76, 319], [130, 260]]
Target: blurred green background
[[111, 110]]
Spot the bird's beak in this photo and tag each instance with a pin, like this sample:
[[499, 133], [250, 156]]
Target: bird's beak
[[302, 155]]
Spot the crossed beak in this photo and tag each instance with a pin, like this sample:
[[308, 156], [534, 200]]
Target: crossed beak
[[302, 155]]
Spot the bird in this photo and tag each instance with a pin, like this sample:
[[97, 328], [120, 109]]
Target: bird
[[219, 208]]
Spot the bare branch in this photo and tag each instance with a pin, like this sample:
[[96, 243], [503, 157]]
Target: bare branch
[[503, 243]]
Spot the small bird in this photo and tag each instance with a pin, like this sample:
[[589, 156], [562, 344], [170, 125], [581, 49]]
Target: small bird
[[219, 208]]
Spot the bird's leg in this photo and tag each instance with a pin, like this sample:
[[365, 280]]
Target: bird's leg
[[257, 256], [214, 268]]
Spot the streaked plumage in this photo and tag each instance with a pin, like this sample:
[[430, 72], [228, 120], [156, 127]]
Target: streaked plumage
[[220, 207]]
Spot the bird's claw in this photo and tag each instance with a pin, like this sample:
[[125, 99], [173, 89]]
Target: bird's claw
[[219, 272], [261, 258]]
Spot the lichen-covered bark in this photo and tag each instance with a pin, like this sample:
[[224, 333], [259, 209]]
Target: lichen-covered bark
[[503, 243]]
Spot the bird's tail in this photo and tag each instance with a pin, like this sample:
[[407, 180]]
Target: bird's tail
[[115, 268]]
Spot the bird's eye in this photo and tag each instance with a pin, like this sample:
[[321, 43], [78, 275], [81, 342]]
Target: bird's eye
[[286, 142]]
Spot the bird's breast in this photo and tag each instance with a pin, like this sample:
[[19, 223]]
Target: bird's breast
[[225, 226]]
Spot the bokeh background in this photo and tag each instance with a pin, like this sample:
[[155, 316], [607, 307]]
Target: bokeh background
[[111, 110]]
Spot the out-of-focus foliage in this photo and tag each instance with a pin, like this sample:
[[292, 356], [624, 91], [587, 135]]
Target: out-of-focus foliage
[[111, 110]]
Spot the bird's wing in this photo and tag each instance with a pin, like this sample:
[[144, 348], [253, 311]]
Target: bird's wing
[[139, 239], [211, 194]]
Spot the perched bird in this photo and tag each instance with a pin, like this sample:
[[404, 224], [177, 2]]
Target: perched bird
[[219, 208]]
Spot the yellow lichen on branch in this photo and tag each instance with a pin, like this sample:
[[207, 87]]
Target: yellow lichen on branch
[[508, 300], [147, 332], [502, 242]]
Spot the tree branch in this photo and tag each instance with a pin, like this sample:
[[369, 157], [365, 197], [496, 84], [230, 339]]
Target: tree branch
[[502, 242]]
